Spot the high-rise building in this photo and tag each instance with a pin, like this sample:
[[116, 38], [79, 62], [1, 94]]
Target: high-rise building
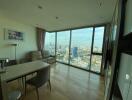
[[74, 52]]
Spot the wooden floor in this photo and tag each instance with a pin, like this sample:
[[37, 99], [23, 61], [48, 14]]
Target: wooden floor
[[68, 83]]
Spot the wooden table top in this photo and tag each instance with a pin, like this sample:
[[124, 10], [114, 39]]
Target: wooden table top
[[19, 70]]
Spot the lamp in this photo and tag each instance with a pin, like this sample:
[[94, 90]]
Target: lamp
[[15, 49]]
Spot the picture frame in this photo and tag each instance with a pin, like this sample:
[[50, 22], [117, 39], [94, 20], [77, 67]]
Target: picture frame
[[13, 35]]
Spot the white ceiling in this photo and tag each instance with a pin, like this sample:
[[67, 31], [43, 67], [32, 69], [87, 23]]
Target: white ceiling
[[70, 13]]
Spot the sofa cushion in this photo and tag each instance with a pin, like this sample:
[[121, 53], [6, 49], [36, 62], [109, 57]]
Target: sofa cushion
[[36, 55]]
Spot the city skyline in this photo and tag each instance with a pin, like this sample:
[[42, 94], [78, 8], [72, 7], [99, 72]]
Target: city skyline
[[81, 36], [80, 48]]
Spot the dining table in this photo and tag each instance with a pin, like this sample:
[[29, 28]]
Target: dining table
[[19, 71]]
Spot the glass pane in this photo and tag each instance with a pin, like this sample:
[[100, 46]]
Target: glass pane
[[63, 39], [96, 63], [50, 43], [98, 39], [81, 47]]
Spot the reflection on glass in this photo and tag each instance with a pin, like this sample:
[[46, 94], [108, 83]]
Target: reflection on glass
[[50, 42], [96, 63], [62, 51], [98, 39], [81, 47]]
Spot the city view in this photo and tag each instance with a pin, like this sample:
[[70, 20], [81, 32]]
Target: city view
[[77, 52]]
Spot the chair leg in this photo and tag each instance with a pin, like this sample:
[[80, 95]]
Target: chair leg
[[19, 82], [37, 93], [25, 85], [49, 85]]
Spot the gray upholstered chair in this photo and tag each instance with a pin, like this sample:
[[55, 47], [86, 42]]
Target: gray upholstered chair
[[14, 95], [36, 55], [42, 77]]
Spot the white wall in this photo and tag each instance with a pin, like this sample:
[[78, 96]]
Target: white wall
[[23, 47], [124, 74], [128, 19]]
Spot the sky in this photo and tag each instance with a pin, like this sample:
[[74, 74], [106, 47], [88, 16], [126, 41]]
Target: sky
[[81, 37]]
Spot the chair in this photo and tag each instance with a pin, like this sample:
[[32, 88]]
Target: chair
[[36, 55], [15, 95], [40, 79]]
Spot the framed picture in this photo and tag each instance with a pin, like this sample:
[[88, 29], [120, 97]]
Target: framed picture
[[14, 35]]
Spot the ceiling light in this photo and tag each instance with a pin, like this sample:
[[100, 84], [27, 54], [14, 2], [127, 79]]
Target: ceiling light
[[56, 17], [100, 4], [40, 7]]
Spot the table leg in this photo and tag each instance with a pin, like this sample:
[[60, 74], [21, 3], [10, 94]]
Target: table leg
[[4, 90]]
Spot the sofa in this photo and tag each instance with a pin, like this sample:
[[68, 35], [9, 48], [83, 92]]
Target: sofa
[[44, 56]]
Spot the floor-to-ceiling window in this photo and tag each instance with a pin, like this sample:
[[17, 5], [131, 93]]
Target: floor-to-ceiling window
[[96, 56], [81, 47], [62, 50], [50, 43]]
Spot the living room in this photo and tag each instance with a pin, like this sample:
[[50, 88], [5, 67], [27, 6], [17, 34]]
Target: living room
[[76, 40]]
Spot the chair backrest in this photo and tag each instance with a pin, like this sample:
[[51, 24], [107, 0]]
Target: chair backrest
[[36, 55], [46, 54], [43, 76]]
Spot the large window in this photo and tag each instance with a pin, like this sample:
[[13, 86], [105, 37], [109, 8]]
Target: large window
[[96, 56], [96, 63], [50, 43], [62, 52], [98, 39], [81, 47]]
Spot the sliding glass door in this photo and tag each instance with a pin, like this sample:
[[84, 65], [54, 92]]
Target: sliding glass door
[[81, 47]]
